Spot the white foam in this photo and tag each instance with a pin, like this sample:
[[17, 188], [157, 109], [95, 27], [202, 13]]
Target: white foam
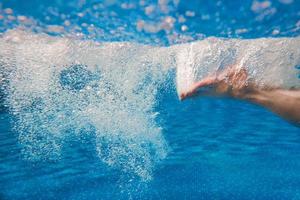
[[114, 93], [269, 61], [117, 102]]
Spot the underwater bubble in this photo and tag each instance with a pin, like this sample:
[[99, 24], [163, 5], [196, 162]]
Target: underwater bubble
[[58, 88], [75, 77]]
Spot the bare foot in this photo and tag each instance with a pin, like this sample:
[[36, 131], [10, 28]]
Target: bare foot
[[232, 82]]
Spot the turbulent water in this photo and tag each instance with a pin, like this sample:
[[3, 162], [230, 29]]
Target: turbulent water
[[268, 61], [89, 104], [60, 89]]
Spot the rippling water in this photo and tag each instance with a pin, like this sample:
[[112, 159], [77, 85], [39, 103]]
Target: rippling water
[[158, 22], [82, 119]]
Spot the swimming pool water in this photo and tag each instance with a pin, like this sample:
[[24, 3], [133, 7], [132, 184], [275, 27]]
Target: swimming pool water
[[217, 148], [216, 153]]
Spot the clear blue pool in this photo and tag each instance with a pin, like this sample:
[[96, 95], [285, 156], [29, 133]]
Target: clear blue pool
[[216, 148]]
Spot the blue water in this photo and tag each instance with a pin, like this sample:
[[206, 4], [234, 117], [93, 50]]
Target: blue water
[[217, 148]]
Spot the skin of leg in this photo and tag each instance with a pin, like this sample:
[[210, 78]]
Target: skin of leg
[[285, 103]]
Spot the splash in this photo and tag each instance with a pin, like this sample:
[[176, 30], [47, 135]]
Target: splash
[[59, 88], [268, 61]]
